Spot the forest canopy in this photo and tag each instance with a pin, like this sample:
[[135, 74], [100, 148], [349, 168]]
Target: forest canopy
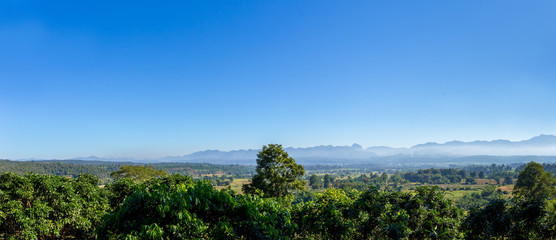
[[175, 206]]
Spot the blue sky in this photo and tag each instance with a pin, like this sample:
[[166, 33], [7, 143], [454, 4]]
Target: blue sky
[[147, 79]]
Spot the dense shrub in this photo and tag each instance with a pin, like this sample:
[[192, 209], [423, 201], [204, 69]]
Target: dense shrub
[[196, 211], [41, 206]]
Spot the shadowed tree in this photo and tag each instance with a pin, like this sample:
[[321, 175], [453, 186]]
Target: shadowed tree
[[328, 180], [528, 216], [315, 181], [533, 183]]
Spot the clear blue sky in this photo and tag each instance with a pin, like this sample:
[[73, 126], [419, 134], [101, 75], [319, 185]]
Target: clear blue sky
[[154, 78]]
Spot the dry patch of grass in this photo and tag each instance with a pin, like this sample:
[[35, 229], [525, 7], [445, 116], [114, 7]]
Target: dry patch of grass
[[455, 195], [236, 185], [485, 181], [508, 188]]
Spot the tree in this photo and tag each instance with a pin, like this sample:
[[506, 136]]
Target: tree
[[276, 173], [328, 180], [533, 183], [501, 219], [508, 180], [315, 181], [490, 222], [470, 180]]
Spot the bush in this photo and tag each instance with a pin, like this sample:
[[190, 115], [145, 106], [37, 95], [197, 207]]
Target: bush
[[50, 207], [196, 211]]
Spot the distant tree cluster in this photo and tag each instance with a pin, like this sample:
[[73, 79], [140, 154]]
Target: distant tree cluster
[[436, 176], [219, 180], [363, 182], [487, 169], [73, 168], [204, 169], [58, 168], [481, 199], [137, 173], [321, 181]]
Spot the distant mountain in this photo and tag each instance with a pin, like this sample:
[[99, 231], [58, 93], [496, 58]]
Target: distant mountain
[[321, 154], [543, 145], [541, 148], [354, 151], [216, 157]]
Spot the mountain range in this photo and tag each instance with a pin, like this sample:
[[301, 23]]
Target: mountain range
[[540, 148]]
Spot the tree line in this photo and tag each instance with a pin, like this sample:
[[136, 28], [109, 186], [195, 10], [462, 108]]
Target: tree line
[[73, 168], [147, 203]]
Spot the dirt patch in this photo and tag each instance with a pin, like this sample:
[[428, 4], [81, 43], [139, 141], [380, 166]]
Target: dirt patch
[[485, 181]]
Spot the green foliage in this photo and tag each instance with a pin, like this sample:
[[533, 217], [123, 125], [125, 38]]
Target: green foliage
[[490, 222], [435, 176], [196, 211], [41, 206], [60, 168], [315, 181], [199, 169], [171, 181], [119, 190], [330, 216], [137, 173], [383, 215], [328, 181], [363, 182], [143, 205], [432, 216], [304, 196], [550, 168], [477, 200], [102, 169], [375, 214], [276, 173], [530, 216], [534, 183], [474, 170], [527, 219]]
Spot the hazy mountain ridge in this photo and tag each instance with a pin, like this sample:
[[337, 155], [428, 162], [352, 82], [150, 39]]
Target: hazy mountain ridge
[[542, 145], [453, 151]]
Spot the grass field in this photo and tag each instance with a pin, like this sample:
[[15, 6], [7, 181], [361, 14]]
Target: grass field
[[457, 194], [236, 184]]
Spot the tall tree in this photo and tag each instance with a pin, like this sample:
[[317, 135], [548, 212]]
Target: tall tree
[[533, 183], [315, 181], [276, 173], [328, 180]]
